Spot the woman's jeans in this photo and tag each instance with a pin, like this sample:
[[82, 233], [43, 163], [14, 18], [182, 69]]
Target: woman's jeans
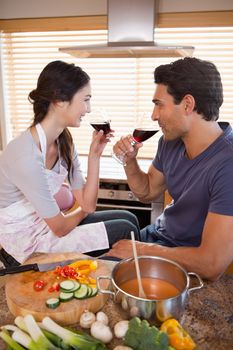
[[118, 223]]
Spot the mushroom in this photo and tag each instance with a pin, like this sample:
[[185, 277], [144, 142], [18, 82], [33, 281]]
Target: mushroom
[[134, 311], [122, 347], [121, 328], [102, 317], [124, 304], [101, 332], [86, 319]]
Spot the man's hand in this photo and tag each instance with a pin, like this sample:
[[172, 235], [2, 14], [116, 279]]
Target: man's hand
[[124, 147], [123, 249]]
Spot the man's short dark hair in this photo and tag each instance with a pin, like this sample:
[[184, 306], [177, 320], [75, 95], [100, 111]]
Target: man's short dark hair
[[196, 77]]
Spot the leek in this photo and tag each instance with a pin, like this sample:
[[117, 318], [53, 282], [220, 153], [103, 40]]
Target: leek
[[77, 341], [10, 342], [19, 321], [56, 340], [24, 339], [37, 335], [9, 327], [53, 337]]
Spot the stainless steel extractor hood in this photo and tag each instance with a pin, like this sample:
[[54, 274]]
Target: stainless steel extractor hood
[[130, 34]]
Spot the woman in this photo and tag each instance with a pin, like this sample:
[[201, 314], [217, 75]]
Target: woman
[[34, 166]]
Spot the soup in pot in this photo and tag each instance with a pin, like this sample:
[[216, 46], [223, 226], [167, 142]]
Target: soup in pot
[[154, 288]]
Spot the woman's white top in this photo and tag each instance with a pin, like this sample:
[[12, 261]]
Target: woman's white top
[[26, 194], [23, 174]]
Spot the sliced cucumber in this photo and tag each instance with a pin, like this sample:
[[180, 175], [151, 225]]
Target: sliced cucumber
[[77, 285], [82, 292], [67, 285], [52, 303], [94, 292], [64, 296], [89, 291]]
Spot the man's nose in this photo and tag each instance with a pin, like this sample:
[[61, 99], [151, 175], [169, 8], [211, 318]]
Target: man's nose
[[155, 115]]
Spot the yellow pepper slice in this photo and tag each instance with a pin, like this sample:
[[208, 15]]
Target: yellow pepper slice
[[92, 280], [178, 337], [91, 264], [83, 271], [83, 268]]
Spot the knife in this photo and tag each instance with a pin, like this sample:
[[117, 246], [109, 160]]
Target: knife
[[45, 267], [35, 267]]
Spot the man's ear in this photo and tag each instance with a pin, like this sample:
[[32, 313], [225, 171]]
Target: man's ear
[[189, 103]]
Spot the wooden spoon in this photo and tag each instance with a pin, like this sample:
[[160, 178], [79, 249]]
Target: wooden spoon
[[141, 292]]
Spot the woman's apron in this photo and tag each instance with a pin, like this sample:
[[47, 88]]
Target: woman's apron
[[23, 232]]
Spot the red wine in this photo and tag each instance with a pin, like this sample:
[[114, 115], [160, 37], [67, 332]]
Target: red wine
[[105, 126], [141, 135]]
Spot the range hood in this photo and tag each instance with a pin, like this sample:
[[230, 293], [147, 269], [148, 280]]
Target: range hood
[[130, 34]]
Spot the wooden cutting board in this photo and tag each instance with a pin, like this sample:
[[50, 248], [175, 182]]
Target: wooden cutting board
[[22, 299]]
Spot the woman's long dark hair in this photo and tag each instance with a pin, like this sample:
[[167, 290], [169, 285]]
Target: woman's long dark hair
[[58, 81]]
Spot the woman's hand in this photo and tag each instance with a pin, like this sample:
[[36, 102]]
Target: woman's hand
[[99, 142]]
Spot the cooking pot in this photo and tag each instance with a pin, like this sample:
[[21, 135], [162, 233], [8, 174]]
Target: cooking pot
[[153, 267]]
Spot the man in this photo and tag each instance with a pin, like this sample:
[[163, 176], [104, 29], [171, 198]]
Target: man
[[194, 162]]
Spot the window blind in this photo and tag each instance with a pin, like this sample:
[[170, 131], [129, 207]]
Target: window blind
[[122, 88]]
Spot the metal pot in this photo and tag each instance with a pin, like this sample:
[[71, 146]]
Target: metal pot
[[157, 310]]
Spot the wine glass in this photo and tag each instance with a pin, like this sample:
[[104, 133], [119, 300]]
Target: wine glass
[[141, 133], [99, 121]]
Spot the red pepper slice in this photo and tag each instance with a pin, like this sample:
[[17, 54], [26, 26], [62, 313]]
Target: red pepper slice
[[66, 271], [54, 288]]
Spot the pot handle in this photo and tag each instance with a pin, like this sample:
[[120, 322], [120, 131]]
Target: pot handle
[[104, 291], [201, 284]]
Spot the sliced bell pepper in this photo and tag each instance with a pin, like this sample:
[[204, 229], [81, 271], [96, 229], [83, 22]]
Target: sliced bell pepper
[[85, 264], [78, 270], [178, 337], [65, 271], [54, 288], [92, 280]]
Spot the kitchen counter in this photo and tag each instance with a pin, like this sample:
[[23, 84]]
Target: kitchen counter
[[208, 317]]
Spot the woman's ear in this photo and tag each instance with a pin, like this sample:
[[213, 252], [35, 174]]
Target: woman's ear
[[59, 103]]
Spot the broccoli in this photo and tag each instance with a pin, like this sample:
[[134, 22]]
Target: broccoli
[[142, 336]]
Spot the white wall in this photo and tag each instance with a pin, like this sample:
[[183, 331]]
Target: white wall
[[55, 8]]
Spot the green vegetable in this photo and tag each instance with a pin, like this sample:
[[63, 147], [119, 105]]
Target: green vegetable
[[9, 327], [9, 347], [53, 303], [141, 336], [37, 335], [77, 285], [10, 342], [75, 340], [56, 340], [24, 339], [64, 296], [82, 292], [67, 285], [19, 321]]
